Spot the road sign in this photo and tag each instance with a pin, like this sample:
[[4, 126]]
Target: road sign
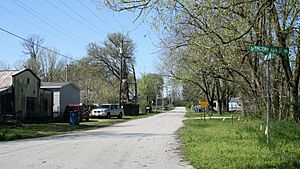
[[269, 49], [203, 103]]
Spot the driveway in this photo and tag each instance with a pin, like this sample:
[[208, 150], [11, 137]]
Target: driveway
[[144, 143]]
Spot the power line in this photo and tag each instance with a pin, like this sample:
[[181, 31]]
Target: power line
[[80, 16], [95, 15], [46, 21], [15, 35], [9, 11], [62, 11]]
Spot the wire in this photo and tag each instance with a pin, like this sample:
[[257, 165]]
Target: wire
[[15, 35], [62, 11], [32, 23], [81, 16], [29, 10], [95, 15]]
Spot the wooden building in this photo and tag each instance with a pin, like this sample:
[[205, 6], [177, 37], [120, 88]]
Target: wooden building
[[20, 94]]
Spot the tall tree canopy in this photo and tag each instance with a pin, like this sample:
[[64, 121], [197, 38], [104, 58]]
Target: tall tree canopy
[[208, 40], [116, 53]]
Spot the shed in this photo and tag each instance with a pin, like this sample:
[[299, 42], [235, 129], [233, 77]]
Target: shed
[[63, 94]]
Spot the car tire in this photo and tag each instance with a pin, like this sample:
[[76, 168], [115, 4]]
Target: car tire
[[108, 115], [120, 115]]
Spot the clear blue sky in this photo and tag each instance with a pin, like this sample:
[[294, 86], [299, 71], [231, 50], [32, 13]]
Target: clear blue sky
[[69, 32]]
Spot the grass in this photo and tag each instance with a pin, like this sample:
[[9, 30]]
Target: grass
[[23, 131], [219, 144], [215, 114]]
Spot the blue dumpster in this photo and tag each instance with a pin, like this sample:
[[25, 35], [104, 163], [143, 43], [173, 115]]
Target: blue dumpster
[[74, 118]]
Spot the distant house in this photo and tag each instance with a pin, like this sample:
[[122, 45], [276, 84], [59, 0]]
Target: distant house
[[63, 94], [20, 94]]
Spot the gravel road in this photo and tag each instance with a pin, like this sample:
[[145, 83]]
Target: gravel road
[[144, 143]]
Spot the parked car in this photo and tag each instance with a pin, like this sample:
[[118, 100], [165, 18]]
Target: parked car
[[108, 110], [76, 107]]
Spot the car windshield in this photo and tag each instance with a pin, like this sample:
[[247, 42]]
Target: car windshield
[[104, 106]]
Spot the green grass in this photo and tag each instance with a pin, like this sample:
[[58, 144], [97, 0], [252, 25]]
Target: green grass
[[219, 144], [215, 114], [23, 131]]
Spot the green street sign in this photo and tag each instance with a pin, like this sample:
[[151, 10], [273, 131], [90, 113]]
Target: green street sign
[[269, 49]]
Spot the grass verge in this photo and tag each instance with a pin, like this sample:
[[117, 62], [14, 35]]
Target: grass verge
[[220, 144], [23, 131]]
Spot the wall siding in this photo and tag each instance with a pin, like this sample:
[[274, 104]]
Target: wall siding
[[26, 85], [69, 95]]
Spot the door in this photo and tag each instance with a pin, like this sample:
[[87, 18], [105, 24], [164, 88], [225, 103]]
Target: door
[[30, 107]]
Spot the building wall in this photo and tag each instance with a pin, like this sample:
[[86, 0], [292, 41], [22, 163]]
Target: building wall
[[56, 102], [6, 102], [46, 100], [26, 90], [69, 95]]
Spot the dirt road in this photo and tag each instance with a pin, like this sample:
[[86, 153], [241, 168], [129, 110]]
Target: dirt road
[[143, 143]]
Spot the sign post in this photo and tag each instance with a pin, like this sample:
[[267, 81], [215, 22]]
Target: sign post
[[203, 104], [270, 51]]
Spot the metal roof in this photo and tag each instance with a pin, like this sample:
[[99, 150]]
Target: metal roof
[[55, 85], [6, 78]]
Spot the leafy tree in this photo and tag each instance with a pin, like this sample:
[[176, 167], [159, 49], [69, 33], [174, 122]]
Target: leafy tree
[[150, 86], [223, 30], [117, 52]]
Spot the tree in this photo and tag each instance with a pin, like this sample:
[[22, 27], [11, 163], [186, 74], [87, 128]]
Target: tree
[[150, 87], [4, 66], [224, 30], [44, 63], [32, 48], [95, 82], [117, 55]]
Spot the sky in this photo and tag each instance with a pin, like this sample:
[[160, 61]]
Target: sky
[[69, 26]]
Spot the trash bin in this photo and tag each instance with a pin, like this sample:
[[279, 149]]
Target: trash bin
[[74, 120]]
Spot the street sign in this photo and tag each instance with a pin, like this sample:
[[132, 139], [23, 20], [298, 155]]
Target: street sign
[[203, 103], [269, 49]]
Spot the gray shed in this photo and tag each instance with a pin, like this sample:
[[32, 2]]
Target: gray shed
[[63, 94]]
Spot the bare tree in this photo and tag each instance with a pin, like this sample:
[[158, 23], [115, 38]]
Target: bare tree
[[32, 48]]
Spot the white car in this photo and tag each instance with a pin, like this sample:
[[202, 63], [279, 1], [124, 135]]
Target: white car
[[108, 110]]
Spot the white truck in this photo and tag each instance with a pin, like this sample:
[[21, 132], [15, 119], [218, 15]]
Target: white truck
[[108, 110]]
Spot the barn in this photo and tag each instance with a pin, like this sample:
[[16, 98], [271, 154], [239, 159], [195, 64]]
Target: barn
[[20, 94]]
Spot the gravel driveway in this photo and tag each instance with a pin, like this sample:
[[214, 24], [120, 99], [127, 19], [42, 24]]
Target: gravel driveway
[[143, 143]]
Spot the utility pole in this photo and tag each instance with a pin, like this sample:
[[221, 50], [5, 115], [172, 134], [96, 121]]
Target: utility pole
[[268, 96], [67, 73], [121, 67]]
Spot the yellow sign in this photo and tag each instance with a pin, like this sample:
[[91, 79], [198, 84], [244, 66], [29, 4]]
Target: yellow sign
[[203, 103]]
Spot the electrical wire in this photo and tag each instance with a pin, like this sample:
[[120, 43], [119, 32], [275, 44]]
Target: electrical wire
[[32, 23], [46, 21], [95, 15], [81, 16], [62, 11], [15, 35]]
